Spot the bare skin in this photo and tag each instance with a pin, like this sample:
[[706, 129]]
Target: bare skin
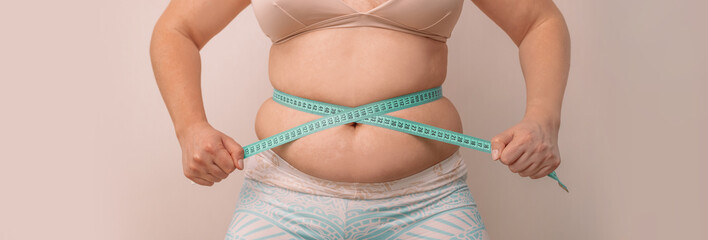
[[352, 67]]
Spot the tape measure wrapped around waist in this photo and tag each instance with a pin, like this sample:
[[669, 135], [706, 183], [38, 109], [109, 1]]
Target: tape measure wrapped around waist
[[372, 114]]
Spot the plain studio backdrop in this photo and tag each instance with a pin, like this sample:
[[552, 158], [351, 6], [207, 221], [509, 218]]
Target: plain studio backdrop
[[89, 151]]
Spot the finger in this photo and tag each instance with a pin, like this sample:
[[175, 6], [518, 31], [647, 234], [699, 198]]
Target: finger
[[215, 170], [522, 163], [224, 162], [201, 169], [204, 163], [235, 151], [210, 177], [512, 152], [211, 163], [499, 142], [544, 171], [201, 181], [531, 169]]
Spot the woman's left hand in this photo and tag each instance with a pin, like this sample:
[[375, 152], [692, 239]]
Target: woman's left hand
[[529, 148]]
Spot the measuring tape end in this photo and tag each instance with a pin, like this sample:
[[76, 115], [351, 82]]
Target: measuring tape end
[[563, 186]]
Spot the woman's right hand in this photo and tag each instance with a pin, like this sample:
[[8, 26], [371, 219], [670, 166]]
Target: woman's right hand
[[208, 155]]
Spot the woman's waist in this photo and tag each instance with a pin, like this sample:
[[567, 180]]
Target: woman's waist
[[361, 152], [273, 117]]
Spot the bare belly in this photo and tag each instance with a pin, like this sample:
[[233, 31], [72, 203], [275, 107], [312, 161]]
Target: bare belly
[[353, 67]]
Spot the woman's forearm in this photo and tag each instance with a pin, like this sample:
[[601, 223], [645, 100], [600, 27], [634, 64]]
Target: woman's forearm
[[544, 54], [177, 67]]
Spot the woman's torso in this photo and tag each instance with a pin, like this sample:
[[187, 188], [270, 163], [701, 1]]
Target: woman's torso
[[353, 67]]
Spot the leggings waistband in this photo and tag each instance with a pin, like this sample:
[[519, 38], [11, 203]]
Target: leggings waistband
[[269, 168]]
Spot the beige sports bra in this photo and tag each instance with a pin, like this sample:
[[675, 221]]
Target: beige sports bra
[[281, 20]]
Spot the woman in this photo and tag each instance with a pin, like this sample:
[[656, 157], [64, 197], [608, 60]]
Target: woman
[[358, 181]]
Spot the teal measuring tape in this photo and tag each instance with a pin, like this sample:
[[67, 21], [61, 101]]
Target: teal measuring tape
[[372, 114]]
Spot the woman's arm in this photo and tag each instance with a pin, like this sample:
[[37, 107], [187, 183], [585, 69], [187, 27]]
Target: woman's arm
[[178, 36], [538, 28]]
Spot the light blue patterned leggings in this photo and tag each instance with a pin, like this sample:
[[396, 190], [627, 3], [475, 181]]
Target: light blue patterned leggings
[[270, 212]]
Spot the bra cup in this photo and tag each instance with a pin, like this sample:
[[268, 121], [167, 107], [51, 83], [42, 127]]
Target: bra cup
[[438, 18], [274, 22], [313, 11], [446, 24]]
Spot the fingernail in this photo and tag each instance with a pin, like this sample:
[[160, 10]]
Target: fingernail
[[240, 163], [495, 154]]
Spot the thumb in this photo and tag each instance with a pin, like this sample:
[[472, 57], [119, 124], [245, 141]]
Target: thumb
[[499, 142], [235, 150]]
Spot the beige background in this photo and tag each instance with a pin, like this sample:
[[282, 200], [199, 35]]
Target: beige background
[[88, 149]]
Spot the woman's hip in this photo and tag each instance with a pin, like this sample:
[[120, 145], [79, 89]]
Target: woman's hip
[[274, 212], [270, 168]]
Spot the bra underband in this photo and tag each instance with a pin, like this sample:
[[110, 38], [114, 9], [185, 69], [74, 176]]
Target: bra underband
[[372, 114]]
